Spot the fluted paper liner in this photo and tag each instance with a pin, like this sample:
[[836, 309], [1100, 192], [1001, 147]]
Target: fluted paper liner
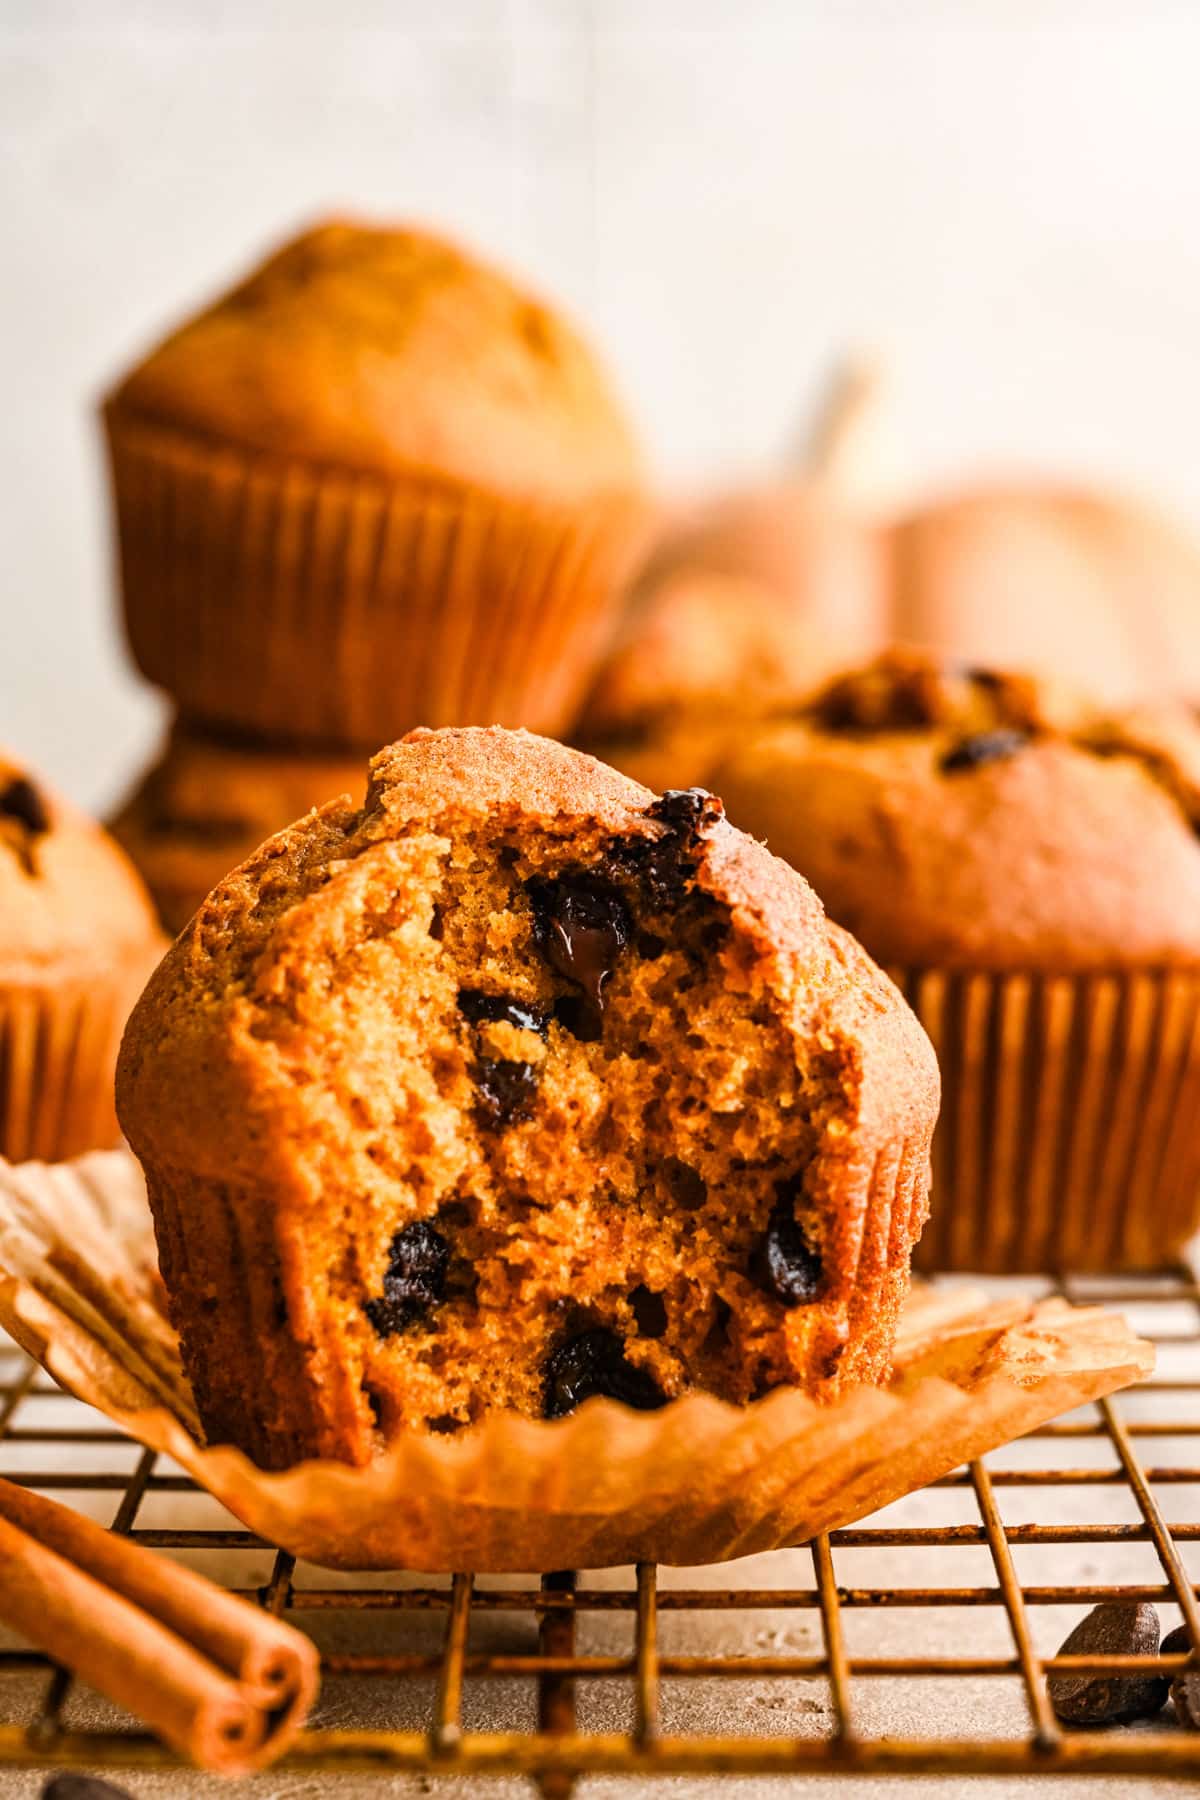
[[58, 1049], [322, 606], [697, 1482], [1067, 1137]]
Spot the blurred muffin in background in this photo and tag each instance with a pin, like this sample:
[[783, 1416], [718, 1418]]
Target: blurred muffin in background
[[78, 941], [206, 805], [697, 656], [374, 485], [1028, 869]]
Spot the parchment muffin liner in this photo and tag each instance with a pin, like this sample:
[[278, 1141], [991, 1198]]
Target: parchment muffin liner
[[58, 1048], [698, 1482], [1067, 1137], [323, 607]]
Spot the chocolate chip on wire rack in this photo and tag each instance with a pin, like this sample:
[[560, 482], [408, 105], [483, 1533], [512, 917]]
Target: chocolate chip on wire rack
[[1185, 1687], [1116, 1628]]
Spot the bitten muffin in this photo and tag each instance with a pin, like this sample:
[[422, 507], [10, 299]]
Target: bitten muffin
[[515, 1086], [77, 941], [1029, 872], [205, 805], [375, 485]]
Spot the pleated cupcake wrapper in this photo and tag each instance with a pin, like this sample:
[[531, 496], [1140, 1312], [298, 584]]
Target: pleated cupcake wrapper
[[1068, 1132], [334, 609], [58, 1048], [698, 1482]]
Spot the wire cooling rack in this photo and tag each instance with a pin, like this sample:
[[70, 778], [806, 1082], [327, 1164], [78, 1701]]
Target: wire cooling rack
[[832, 1656]]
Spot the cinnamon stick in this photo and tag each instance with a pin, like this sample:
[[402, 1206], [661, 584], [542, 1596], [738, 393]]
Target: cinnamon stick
[[217, 1678]]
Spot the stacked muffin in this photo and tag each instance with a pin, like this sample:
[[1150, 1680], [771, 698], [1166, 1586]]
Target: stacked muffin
[[374, 486]]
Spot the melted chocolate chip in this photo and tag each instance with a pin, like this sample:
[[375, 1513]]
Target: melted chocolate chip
[[576, 1014], [582, 924], [1116, 1628], [983, 747], [500, 1009], [20, 800], [785, 1264], [415, 1279], [649, 1310], [505, 1090], [594, 1363]]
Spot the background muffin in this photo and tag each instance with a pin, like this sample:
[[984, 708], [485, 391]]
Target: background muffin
[[374, 485], [205, 805], [1030, 874], [77, 942], [516, 1086]]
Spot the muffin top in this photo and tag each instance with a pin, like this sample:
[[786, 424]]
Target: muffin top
[[387, 350], [961, 817], [69, 900]]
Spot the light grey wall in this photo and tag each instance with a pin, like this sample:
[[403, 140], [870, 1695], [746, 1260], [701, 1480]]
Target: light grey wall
[[1003, 195]]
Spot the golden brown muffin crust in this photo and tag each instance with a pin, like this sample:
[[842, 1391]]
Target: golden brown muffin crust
[[389, 350], [964, 818]]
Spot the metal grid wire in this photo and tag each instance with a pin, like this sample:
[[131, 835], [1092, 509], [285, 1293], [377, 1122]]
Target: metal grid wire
[[550, 1743]]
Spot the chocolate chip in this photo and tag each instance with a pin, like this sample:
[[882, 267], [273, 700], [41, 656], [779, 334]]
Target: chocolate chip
[[500, 1009], [581, 924], [415, 1279], [20, 800], [576, 1014], [983, 747], [1116, 1628], [665, 866], [1185, 1687], [505, 1090], [650, 1311], [594, 1363], [688, 810], [82, 1787], [785, 1265]]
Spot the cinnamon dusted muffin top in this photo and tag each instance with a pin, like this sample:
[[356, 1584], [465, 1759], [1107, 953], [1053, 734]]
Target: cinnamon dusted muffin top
[[390, 350], [69, 899], [968, 818]]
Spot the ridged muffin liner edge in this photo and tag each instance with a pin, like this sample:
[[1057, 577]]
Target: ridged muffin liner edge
[[698, 1482], [341, 609], [58, 1048], [1067, 1135]]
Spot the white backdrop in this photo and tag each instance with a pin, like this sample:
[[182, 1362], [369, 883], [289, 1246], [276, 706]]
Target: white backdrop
[[1001, 195]]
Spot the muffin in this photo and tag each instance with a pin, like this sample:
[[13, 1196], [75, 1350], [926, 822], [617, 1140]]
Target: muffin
[[515, 1086], [697, 655], [375, 485], [77, 942], [1029, 873], [206, 804]]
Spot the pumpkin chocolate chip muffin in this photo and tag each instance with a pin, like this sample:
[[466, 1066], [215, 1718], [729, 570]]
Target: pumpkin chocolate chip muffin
[[77, 941], [1029, 872], [375, 484], [205, 805], [514, 1086]]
